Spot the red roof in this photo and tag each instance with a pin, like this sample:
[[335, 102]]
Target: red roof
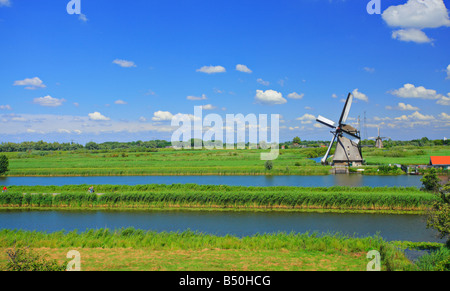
[[443, 160]]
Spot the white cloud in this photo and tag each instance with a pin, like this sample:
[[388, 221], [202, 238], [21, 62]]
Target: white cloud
[[48, 101], [444, 100], [414, 16], [97, 116], [448, 73], [411, 34], [212, 69], [124, 63], [5, 107], [360, 96], [307, 118], [407, 107], [415, 116], [6, 3], [444, 116], [318, 125], [142, 119], [262, 82], [62, 130], [369, 70], [295, 95], [208, 107], [162, 116], [31, 84], [195, 98], [269, 97], [244, 69], [411, 91], [45, 123], [403, 107], [334, 96], [417, 14], [120, 102]]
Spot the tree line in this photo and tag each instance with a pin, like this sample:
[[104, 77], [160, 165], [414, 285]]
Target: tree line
[[156, 144], [56, 146]]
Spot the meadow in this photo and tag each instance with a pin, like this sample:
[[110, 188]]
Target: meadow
[[210, 197], [404, 155], [131, 249], [162, 162], [200, 162]]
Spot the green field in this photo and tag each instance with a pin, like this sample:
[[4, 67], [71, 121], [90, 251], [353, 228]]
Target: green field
[[200, 162], [404, 155], [130, 249], [164, 162], [208, 197]]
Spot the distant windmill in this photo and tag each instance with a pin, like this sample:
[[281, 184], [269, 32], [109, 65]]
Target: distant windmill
[[379, 140], [348, 152]]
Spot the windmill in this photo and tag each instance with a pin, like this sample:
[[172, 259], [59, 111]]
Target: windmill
[[348, 152], [379, 140]]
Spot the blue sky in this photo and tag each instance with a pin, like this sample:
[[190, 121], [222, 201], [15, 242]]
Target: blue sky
[[121, 69]]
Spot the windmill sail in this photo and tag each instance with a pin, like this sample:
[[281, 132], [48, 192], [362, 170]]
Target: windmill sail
[[324, 159], [326, 121], [346, 111]]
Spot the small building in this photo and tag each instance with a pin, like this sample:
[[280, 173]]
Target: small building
[[440, 162]]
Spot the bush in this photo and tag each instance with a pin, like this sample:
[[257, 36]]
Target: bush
[[268, 165], [435, 261], [430, 181], [389, 170], [23, 259], [4, 164]]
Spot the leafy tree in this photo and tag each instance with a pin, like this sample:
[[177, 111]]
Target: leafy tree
[[296, 140], [439, 215], [4, 164], [430, 181], [92, 146]]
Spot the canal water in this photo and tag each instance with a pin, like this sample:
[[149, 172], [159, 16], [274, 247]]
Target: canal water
[[352, 180], [390, 227]]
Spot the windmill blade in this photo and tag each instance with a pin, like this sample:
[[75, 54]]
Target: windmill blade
[[326, 121], [324, 159], [351, 134], [346, 111]]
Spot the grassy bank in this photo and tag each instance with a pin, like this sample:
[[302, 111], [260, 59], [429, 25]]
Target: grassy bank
[[211, 197], [130, 249], [162, 162]]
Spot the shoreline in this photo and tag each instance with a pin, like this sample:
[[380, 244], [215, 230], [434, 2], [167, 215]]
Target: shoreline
[[217, 208]]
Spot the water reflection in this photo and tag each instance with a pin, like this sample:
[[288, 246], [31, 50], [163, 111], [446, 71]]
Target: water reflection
[[390, 227], [352, 180]]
